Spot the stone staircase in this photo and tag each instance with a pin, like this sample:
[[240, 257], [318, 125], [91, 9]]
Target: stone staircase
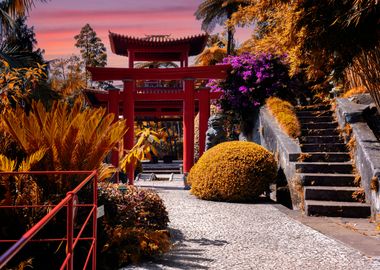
[[160, 171], [325, 167]]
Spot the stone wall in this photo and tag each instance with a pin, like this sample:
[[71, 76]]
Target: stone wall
[[285, 149], [367, 147]]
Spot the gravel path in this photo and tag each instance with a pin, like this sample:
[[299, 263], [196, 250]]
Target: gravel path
[[216, 235]]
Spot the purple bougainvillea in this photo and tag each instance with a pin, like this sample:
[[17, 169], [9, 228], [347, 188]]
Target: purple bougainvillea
[[253, 79]]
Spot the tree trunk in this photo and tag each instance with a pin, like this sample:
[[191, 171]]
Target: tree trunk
[[230, 38], [230, 34]]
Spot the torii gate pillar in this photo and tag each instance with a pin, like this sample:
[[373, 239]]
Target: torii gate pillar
[[188, 125], [113, 107], [129, 115]]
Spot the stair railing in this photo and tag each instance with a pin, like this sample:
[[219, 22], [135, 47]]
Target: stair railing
[[71, 204]]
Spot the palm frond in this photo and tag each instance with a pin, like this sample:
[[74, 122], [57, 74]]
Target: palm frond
[[6, 164], [106, 171], [31, 160], [18, 7], [74, 139]]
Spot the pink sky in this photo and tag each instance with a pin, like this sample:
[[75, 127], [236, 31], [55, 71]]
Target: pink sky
[[57, 22]]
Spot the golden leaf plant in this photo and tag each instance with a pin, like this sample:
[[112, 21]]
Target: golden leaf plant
[[22, 186], [20, 189], [285, 115], [321, 38], [17, 83], [75, 138], [142, 149]]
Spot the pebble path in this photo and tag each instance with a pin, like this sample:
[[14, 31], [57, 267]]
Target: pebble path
[[233, 236]]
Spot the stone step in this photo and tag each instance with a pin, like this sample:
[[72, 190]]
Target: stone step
[[160, 167], [324, 147], [320, 132], [169, 177], [329, 193], [324, 167], [321, 125], [321, 139], [318, 179], [337, 209], [145, 177], [314, 113], [316, 107], [325, 157], [161, 171], [315, 119]]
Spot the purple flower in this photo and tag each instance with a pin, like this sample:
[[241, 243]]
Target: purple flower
[[243, 89], [256, 103], [247, 74], [252, 79]]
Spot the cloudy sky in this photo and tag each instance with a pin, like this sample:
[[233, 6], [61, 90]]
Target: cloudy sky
[[57, 22]]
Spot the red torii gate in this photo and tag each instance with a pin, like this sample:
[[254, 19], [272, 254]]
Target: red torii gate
[[160, 49]]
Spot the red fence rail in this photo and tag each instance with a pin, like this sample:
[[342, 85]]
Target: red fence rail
[[70, 203]]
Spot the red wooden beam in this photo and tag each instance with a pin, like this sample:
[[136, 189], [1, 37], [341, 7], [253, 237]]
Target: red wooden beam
[[188, 126], [113, 107], [103, 98], [158, 114], [168, 57], [159, 96], [171, 49], [129, 115], [161, 119], [114, 74]]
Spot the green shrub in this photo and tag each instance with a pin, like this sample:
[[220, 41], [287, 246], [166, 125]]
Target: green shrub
[[134, 226], [233, 171]]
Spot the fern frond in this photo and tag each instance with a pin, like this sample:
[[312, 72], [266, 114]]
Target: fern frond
[[31, 160], [6, 164], [105, 171]]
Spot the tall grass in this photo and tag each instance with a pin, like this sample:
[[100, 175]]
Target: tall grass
[[365, 71]]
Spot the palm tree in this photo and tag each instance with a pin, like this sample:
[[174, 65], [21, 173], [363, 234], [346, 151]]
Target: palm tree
[[9, 11], [214, 12], [213, 53], [18, 7]]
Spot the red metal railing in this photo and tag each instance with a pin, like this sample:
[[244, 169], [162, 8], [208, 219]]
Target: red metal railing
[[71, 204]]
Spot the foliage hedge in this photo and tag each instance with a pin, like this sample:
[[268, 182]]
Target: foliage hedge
[[355, 91], [233, 171], [134, 226], [285, 115]]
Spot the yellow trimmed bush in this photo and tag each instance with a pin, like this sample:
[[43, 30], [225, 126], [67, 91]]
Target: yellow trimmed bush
[[355, 91], [285, 115], [233, 171]]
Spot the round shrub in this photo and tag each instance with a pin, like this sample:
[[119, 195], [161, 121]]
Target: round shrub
[[134, 226], [131, 206], [233, 171]]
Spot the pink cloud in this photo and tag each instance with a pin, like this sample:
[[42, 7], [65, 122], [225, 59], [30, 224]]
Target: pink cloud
[[106, 14], [57, 22]]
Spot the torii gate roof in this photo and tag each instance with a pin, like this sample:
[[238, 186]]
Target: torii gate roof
[[151, 48]]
